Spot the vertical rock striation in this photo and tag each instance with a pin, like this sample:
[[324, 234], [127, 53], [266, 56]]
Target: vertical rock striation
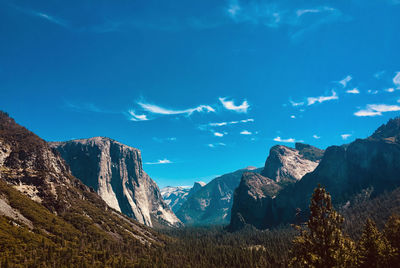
[[115, 172]]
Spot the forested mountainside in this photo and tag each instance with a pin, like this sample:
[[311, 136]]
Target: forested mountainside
[[49, 216]]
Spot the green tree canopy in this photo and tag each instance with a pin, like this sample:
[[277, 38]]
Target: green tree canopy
[[322, 243]]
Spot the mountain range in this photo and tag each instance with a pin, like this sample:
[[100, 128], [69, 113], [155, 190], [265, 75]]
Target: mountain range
[[108, 175], [211, 204], [363, 169], [175, 196]]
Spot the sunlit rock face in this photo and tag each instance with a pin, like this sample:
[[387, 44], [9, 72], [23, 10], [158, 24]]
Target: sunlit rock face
[[175, 196], [285, 164], [115, 172], [256, 192], [31, 166]]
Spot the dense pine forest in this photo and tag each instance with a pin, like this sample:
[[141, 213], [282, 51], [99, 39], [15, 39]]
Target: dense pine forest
[[327, 240]]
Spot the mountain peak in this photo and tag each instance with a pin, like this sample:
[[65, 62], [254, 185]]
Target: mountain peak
[[98, 140], [291, 164], [309, 152], [389, 131], [250, 168], [199, 183]]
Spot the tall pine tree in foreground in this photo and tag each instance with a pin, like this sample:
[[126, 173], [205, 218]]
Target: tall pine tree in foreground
[[322, 243]]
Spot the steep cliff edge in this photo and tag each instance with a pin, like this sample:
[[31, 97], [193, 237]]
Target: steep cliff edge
[[285, 164], [115, 172], [38, 192], [250, 200], [256, 192], [363, 169]]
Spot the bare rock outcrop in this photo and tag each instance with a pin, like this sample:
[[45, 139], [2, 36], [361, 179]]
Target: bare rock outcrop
[[256, 192], [115, 172]]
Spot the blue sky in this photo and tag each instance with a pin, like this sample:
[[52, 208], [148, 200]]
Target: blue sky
[[202, 88]]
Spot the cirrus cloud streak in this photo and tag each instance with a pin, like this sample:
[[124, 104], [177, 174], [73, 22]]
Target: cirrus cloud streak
[[376, 110]]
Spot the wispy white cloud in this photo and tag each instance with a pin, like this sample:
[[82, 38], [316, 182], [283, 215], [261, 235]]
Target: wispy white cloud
[[293, 116], [316, 137], [345, 136], [377, 109], [378, 75], [389, 90], [266, 14], [372, 92], [245, 132], [295, 104], [103, 23], [301, 12], [220, 124], [326, 15], [289, 140], [396, 80], [230, 105], [218, 134], [161, 140], [247, 120], [52, 19], [320, 99], [213, 145], [345, 80], [160, 162], [155, 109], [42, 15], [272, 14], [353, 91], [137, 117]]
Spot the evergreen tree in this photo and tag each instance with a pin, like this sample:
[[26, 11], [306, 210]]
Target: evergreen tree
[[392, 231], [373, 248], [322, 243]]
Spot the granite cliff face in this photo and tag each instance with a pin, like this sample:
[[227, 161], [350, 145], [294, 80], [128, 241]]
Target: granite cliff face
[[211, 205], [115, 172], [256, 192], [30, 166], [175, 196], [250, 200], [363, 169], [288, 165]]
